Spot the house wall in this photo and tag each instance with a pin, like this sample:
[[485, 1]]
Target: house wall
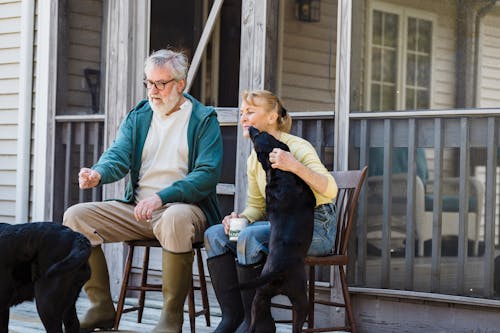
[[83, 50], [489, 61], [10, 36], [308, 60]]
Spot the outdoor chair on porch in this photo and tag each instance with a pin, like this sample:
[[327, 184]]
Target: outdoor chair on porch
[[349, 184], [145, 286], [424, 201]]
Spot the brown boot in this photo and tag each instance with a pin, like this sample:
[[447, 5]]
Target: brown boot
[[101, 314], [176, 280]]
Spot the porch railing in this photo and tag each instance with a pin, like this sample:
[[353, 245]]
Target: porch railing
[[436, 229], [79, 142]]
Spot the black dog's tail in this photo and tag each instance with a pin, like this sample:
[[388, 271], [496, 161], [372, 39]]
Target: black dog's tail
[[263, 279], [79, 254]]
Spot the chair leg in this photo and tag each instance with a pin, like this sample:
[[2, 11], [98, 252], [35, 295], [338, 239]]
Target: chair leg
[[144, 281], [191, 308], [347, 300], [203, 287], [123, 290], [312, 279]]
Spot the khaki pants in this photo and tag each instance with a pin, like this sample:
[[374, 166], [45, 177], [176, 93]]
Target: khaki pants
[[175, 225]]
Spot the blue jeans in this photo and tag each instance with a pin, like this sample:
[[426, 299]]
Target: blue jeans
[[252, 244]]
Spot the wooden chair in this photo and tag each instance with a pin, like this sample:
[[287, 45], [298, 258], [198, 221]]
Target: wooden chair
[[349, 184], [146, 286]]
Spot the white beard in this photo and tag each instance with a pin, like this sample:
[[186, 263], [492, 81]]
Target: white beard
[[164, 106]]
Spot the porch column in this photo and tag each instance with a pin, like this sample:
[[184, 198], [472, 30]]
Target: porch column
[[342, 85], [127, 45], [45, 104], [258, 70]]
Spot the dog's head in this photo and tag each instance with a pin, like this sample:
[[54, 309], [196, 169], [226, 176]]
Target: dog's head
[[264, 143]]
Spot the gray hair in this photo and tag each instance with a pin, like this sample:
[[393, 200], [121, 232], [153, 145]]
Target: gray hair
[[177, 61]]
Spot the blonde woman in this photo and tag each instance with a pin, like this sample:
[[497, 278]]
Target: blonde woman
[[264, 111]]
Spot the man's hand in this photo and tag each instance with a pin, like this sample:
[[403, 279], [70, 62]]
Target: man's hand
[[88, 178], [143, 212]]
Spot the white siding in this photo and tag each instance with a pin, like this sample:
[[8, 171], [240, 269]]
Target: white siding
[[445, 52], [489, 63], [10, 18], [83, 50], [308, 61]]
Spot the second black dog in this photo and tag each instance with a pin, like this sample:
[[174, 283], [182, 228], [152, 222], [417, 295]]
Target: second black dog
[[45, 261], [290, 209]]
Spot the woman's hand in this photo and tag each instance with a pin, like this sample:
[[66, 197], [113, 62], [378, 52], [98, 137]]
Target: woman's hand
[[225, 221], [283, 160]]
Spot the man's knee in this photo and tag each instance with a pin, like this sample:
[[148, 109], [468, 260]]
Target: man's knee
[[175, 230], [71, 214], [75, 216]]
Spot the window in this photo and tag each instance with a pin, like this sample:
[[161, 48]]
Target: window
[[399, 59]]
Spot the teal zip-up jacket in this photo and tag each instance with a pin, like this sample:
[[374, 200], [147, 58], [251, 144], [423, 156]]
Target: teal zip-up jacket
[[204, 160]]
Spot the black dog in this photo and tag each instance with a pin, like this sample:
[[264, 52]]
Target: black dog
[[45, 261], [290, 209]]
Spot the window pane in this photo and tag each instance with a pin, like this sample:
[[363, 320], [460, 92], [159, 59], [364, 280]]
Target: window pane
[[410, 69], [390, 29], [390, 66], [376, 64], [388, 97], [375, 97], [377, 28], [424, 36], [424, 74], [410, 99], [412, 34], [422, 99]]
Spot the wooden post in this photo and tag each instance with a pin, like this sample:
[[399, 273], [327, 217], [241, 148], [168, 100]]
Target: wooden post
[[258, 59], [342, 89], [127, 48]]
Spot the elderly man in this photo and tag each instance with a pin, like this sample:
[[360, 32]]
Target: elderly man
[[171, 146]]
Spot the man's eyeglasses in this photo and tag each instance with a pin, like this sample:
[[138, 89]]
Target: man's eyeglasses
[[160, 85]]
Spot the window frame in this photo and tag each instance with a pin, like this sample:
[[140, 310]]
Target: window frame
[[403, 13]]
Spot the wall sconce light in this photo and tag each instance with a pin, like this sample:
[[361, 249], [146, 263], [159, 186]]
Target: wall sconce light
[[307, 10]]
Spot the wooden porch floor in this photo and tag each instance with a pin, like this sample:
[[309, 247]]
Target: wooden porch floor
[[24, 318]]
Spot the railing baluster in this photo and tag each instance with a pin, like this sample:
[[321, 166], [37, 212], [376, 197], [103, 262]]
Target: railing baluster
[[95, 139], [67, 163], [410, 206], [490, 207], [463, 198], [300, 128], [319, 143], [387, 205], [436, 217], [83, 152], [362, 211]]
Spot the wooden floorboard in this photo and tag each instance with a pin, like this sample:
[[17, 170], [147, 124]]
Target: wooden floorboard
[[24, 318]]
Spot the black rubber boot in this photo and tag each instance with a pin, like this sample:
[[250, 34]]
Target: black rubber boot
[[222, 271], [246, 274]]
